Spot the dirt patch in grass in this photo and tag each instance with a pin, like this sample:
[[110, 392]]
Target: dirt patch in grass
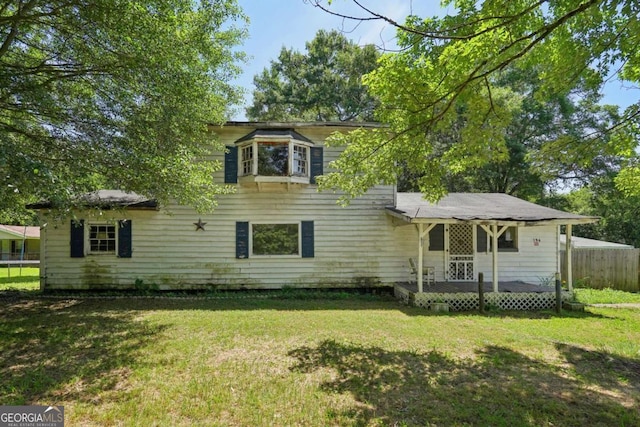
[[64, 350]]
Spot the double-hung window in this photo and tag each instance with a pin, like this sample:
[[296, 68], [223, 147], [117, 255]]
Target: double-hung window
[[300, 162], [102, 239], [247, 160]]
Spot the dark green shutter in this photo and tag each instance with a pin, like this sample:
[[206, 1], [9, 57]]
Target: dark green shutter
[[77, 239], [307, 239], [231, 165], [242, 240], [436, 238], [317, 159], [124, 239], [481, 239]]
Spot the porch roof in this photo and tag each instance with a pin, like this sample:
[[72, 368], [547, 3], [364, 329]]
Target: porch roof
[[482, 208]]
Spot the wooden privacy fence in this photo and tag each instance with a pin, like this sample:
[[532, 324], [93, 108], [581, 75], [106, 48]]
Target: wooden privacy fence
[[605, 268]]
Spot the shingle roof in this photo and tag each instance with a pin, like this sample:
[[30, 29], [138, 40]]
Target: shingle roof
[[271, 133], [479, 207], [107, 199]]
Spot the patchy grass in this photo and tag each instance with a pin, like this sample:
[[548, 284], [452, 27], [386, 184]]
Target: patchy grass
[[606, 296], [349, 361], [25, 279]]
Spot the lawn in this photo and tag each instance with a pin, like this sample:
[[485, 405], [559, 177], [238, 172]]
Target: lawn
[[16, 278], [315, 362]]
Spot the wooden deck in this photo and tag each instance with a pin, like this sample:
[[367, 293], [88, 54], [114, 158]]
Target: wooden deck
[[466, 287], [463, 296]]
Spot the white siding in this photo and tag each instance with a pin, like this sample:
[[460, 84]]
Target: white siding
[[358, 245], [531, 263], [354, 246]]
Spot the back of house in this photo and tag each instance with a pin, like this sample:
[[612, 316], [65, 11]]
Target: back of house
[[276, 230]]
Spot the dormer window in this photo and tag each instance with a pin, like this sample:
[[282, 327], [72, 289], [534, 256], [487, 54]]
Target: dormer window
[[274, 156], [273, 159]]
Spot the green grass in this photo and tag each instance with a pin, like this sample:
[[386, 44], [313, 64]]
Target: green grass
[[606, 296], [317, 362], [25, 279]]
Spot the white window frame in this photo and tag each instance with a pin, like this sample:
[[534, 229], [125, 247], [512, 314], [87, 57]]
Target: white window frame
[[247, 160], [88, 239], [298, 223], [292, 166]]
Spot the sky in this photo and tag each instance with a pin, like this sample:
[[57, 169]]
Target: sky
[[275, 24]]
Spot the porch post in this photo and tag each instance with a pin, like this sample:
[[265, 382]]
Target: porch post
[[567, 254], [420, 251], [494, 246]]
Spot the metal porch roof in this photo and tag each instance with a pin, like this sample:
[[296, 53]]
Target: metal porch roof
[[479, 207], [20, 231]]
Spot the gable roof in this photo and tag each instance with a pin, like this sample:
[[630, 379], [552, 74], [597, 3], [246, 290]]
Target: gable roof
[[106, 199], [19, 231], [479, 207]]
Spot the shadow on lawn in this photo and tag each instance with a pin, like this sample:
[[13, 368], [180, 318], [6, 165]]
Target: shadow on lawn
[[54, 351], [314, 302], [497, 387]]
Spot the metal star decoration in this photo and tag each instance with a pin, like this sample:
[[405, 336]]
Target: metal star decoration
[[199, 225]]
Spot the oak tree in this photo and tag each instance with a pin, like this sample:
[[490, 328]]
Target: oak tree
[[114, 94], [322, 84], [446, 73]]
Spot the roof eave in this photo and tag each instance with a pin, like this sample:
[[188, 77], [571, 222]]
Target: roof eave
[[498, 221]]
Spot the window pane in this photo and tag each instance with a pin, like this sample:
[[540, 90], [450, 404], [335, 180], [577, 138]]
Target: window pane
[[299, 160], [102, 238], [273, 159], [247, 160], [275, 239], [508, 239]]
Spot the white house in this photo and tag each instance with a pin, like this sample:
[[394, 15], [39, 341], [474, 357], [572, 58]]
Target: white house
[[277, 230], [19, 243]]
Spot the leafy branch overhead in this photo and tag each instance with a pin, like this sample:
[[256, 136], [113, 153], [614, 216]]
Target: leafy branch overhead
[[445, 78], [107, 94]]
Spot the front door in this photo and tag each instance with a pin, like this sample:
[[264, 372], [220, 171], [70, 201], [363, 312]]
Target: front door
[[461, 252]]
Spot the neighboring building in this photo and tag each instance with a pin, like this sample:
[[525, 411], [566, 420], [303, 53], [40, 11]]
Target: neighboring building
[[19, 242], [278, 230], [584, 243]]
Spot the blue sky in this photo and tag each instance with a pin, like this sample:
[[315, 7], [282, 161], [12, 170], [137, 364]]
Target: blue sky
[[291, 23]]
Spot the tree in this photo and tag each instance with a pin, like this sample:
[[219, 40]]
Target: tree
[[618, 214], [323, 84], [447, 72], [535, 136], [107, 94]]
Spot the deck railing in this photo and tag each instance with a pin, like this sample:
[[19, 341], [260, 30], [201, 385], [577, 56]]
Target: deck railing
[[17, 256]]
